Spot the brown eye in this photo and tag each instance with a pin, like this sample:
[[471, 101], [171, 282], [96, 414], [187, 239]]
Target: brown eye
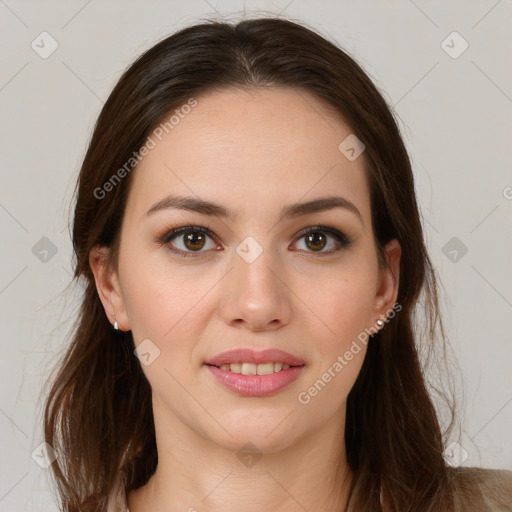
[[187, 240], [316, 240], [194, 240]]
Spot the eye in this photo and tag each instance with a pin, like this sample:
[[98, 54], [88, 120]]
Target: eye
[[317, 238], [189, 240]]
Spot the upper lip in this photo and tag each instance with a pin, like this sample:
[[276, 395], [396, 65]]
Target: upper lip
[[248, 355]]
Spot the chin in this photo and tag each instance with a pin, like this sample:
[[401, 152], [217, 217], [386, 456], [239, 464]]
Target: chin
[[269, 435]]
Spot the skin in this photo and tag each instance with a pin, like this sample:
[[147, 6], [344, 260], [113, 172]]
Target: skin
[[253, 152]]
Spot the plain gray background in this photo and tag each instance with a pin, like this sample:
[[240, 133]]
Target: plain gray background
[[454, 112]]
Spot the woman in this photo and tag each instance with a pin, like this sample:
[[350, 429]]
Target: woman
[[249, 238]]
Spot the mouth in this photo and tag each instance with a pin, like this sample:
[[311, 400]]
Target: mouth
[[255, 369], [255, 374]]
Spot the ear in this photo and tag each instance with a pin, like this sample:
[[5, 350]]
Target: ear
[[389, 278], [107, 284]]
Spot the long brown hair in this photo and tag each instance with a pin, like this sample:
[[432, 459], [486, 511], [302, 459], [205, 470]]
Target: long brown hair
[[98, 414]]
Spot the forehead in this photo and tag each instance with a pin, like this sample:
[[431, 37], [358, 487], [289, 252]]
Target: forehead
[[249, 149]]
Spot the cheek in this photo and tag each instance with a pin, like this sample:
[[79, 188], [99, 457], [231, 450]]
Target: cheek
[[166, 310], [167, 314], [170, 305], [345, 308], [159, 296], [340, 303]]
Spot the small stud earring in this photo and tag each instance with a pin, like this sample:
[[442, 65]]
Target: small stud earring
[[116, 325], [380, 323]]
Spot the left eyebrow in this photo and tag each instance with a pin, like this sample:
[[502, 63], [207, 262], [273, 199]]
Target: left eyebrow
[[213, 209]]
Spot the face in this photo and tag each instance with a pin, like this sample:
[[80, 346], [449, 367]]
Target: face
[[254, 272]]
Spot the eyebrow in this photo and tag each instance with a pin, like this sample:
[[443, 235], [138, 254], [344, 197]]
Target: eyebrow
[[292, 211]]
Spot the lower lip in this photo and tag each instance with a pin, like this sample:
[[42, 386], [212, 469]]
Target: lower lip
[[256, 385]]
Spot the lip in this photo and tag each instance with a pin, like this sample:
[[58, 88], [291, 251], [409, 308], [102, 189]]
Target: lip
[[256, 385], [247, 355]]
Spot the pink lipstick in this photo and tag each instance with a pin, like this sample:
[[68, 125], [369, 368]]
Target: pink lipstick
[[255, 374]]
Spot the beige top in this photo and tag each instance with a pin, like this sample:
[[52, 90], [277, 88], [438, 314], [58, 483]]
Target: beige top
[[486, 490], [478, 490]]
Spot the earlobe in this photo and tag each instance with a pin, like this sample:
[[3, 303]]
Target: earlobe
[[107, 286], [389, 278]]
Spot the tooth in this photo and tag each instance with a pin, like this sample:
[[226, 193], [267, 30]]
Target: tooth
[[255, 369], [248, 368], [236, 367], [265, 368]]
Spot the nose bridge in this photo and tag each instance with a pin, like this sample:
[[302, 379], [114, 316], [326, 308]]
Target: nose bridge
[[256, 294]]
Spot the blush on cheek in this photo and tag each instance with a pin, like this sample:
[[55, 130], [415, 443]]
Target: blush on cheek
[[345, 311]]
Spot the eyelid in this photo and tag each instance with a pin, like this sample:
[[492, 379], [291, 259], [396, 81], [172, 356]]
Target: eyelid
[[173, 232], [336, 233]]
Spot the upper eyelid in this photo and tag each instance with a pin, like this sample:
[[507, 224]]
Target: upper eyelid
[[173, 233]]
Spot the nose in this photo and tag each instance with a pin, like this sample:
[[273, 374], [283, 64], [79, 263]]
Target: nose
[[255, 295]]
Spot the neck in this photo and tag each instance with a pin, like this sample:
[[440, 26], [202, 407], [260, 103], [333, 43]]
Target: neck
[[195, 474]]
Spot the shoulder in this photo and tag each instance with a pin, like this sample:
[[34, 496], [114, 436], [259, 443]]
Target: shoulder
[[481, 489]]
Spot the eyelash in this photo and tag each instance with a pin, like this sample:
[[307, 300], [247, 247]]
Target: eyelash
[[172, 233]]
